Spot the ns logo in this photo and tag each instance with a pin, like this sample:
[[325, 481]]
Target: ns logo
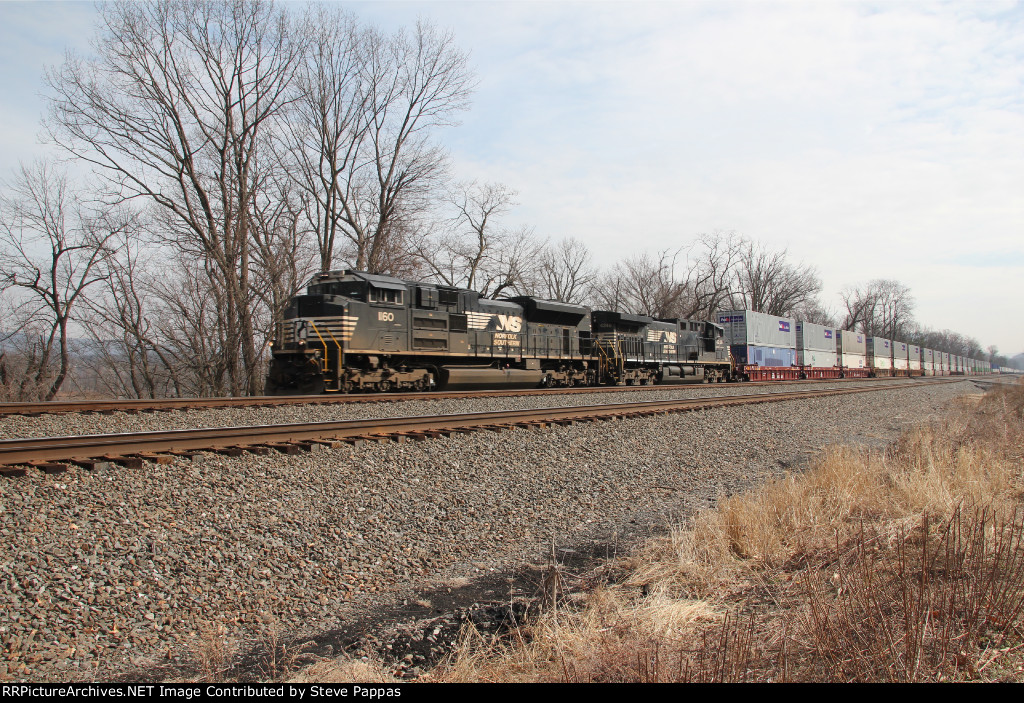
[[509, 323]]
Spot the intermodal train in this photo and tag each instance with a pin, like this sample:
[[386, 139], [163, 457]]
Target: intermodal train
[[353, 331]]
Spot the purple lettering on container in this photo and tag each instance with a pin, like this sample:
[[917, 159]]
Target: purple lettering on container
[[828, 334], [783, 326]]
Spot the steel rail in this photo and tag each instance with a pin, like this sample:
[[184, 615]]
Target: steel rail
[[80, 447], [164, 404]]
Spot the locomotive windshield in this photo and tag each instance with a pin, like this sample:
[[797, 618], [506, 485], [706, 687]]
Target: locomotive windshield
[[356, 290]]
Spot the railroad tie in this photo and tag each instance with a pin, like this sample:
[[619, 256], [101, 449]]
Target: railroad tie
[[49, 467], [161, 459]]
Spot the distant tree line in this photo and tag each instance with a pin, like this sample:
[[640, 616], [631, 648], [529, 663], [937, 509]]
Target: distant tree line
[[236, 148]]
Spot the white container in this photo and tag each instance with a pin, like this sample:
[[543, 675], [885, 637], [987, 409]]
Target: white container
[[900, 356], [852, 349], [816, 345], [879, 353]]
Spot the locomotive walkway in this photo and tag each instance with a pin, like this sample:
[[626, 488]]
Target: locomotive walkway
[[53, 454]]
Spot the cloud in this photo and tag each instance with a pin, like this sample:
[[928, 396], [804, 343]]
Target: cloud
[[860, 137], [872, 140]]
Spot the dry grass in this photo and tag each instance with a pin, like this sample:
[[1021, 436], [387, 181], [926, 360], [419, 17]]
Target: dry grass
[[213, 652], [344, 671], [903, 565]]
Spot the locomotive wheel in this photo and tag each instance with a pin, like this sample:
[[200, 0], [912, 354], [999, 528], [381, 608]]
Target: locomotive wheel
[[384, 386], [419, 385]]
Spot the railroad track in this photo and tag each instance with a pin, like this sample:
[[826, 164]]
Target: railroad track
[[54, 454], [168, 404]]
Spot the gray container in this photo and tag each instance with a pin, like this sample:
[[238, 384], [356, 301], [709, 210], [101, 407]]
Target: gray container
[[816, 345], [916, 362], [749, 328], [900, 356], [852, 349], [879, 353]]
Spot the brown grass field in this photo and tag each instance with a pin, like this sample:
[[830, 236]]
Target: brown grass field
[[902, 565]]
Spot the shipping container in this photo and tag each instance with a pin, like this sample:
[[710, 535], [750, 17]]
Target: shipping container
[[763, 356], [763, 346], [928, 362], [852, 351], [901, 358], [749, 328], [880, 356], [916, 362], [816, 346]]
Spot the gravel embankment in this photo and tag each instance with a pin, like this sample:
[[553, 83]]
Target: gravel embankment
[[16, 426], [103, 573]]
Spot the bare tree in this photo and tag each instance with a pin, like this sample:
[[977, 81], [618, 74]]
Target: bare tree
[[566, 272], [51, 250], [359, 136], [283, 259], [174, 110], [813, 311], [670, 284], [712, 260], [475, 251], [882, 307], [646, 285], [767, 282]]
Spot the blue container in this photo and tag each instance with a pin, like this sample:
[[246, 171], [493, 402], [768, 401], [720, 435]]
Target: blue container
[[763, 356]]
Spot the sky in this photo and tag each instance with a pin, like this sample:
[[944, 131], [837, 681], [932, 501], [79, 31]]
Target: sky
[[871, 140]]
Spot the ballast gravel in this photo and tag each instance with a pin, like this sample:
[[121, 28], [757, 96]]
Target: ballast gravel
[[66, 424], [114, 572]]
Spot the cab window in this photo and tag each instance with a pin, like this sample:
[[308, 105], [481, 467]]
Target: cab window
[[348, 289], [389, 296]]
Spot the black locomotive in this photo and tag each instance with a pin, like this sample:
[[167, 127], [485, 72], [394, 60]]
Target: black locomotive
[[354, 331]]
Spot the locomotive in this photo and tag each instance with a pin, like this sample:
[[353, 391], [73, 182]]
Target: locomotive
[[355, 331]]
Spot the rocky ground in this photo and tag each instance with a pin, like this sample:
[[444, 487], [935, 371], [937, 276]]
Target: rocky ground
[[13, 426], [155, 572]]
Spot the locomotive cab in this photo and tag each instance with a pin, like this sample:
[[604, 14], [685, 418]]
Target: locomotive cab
[[354, 331]]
